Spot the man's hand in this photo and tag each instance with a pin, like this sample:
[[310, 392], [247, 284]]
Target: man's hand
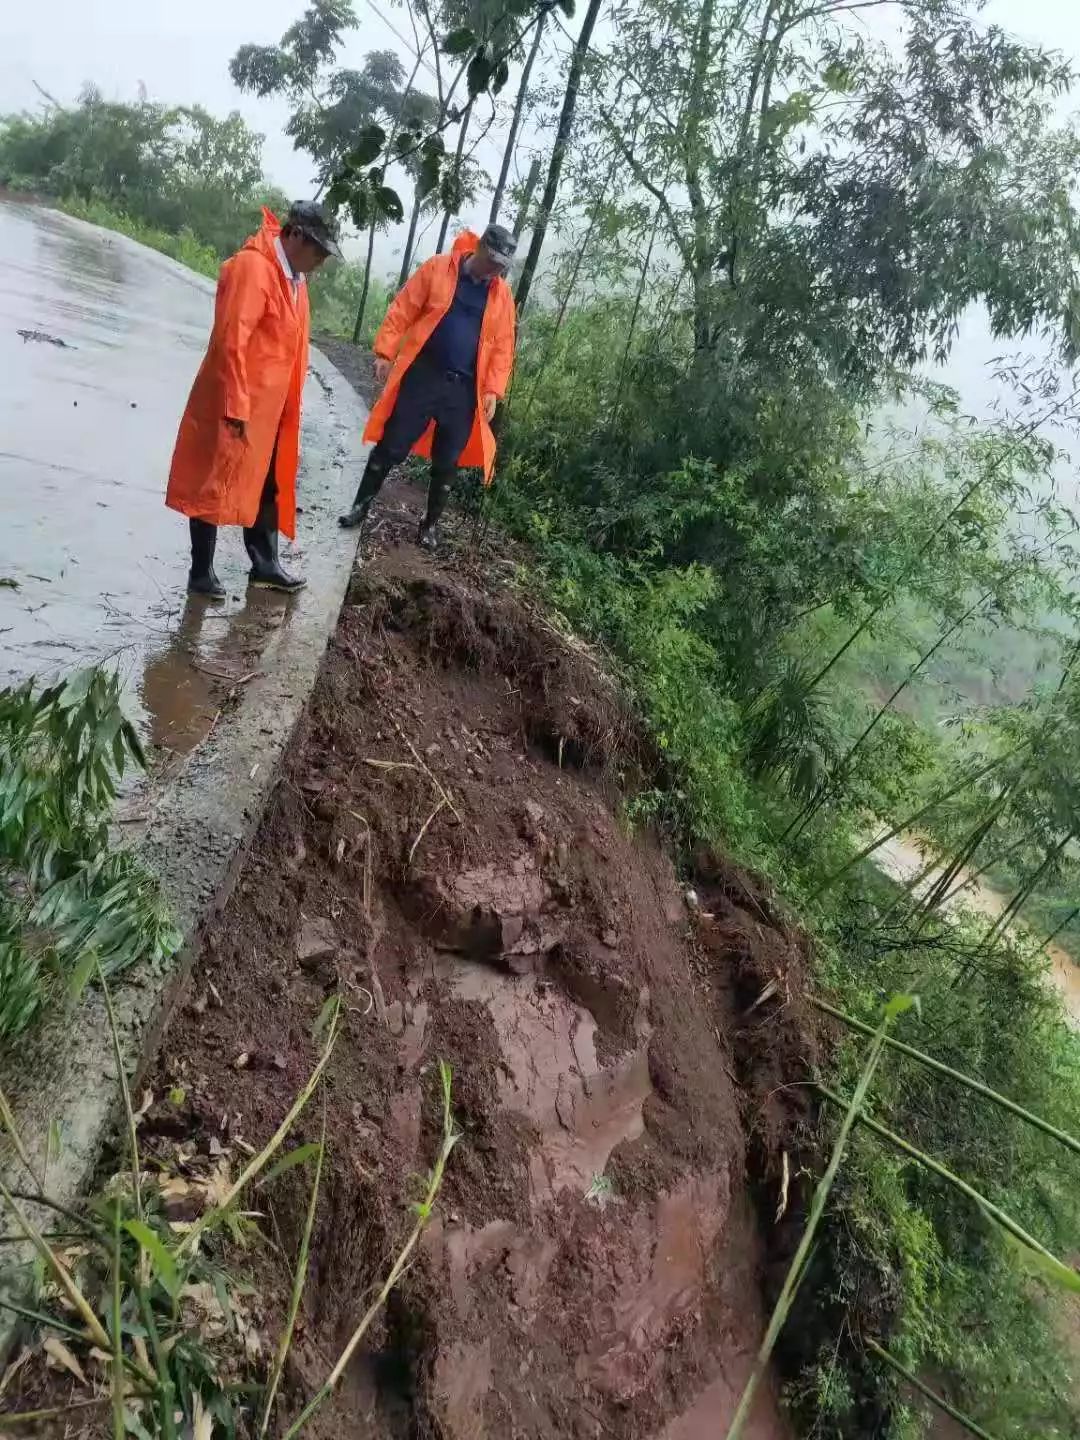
[[382, 370], [489, 402], [236, 427]]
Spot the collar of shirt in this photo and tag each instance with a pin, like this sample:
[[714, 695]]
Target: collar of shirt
[[295, 281]]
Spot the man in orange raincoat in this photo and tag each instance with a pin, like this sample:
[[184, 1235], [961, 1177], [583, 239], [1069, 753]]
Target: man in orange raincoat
[[238, 446], [443, 355]]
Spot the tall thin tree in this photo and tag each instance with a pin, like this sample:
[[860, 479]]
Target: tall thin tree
[[558, 152], [516, 118]]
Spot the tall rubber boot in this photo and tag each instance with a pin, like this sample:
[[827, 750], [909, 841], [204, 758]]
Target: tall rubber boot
[[261, 542], [202, 578], [375, 472], [427, 537]]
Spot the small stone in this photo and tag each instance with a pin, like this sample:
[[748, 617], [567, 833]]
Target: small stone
[[432, 749], [610, 938], [242, 1061], [318, 941], [395, 1018], [279, 1062]]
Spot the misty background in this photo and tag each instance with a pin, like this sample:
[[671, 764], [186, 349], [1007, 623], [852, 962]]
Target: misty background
[[180, 55]]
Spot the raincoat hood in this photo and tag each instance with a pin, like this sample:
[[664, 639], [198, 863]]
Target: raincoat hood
[[264, 237], [465, 243]]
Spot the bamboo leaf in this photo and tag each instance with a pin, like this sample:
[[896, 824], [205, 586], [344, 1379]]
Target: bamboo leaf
[[165, 1267], [300, 1156]]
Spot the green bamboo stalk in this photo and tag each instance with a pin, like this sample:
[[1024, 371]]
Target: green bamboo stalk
[[1026, 888], [423, 1215], [125, 1092], [794, 1275], [931, 1395], [119, 1424], [910, 820], [54, 1412], [274, 1143], [299, 1280], [1001, 1217], [844, 763], [165, 1389], [1061, 1136], [1059, 928]]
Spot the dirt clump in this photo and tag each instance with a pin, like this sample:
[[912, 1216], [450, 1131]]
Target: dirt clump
[[445, 848]]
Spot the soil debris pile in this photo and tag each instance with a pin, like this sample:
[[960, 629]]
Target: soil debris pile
[[446, 847]]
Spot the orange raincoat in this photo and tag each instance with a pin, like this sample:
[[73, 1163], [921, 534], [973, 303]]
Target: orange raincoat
[[254, 370], [414, 314]]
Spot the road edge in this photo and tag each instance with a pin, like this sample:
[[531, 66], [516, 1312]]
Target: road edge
[[62, 1083]]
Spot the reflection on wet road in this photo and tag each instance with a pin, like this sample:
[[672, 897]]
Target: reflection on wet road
[[86, 435]]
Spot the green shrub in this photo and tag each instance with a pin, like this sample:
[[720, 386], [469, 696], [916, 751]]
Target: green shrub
[[69, 897]]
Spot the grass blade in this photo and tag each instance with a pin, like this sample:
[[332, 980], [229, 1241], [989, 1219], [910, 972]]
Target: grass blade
[[300, 1156], [164, 1265]]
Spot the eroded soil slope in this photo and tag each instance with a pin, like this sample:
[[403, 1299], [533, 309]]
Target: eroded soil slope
[[448, 846]]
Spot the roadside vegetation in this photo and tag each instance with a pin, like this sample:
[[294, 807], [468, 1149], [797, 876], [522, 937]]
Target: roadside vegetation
[[844, 608], [70, 900]]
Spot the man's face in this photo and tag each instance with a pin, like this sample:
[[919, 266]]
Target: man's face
[[485, 265], [305, 256], [310, 256]]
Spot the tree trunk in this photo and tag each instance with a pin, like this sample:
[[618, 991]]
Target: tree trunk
[[515, 122], [448, 213], [522, 216], [558, 154], [701, 249], [549, 349], [633, 321], [359, 325], [410, 241]]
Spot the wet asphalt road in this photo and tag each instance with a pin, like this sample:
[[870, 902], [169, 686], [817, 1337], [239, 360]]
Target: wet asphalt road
[[86, 435]]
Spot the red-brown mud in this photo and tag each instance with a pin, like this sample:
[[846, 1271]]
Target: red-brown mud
[[446, 846]]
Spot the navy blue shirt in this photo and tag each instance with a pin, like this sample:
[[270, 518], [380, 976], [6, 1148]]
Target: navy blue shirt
[[454, 342]]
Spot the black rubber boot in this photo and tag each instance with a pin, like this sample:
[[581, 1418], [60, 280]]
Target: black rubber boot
[[427, 537], [202, 579], [370, 485], [261, 542], [356, 518]]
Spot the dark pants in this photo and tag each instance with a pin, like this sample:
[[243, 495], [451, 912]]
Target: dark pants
[[427, 393], [260, 539]]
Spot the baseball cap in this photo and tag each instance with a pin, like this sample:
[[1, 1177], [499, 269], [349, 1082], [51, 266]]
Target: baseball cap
[[500, 244], [314, 221]]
